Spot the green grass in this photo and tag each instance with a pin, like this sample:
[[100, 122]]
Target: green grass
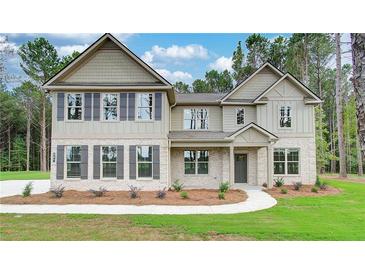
[[23, 175], [337, 217]]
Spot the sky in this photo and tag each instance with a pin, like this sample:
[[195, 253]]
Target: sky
[[178, 57]]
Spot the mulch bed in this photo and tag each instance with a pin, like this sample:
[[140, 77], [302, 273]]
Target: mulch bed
[[304, 191], [196, 197]]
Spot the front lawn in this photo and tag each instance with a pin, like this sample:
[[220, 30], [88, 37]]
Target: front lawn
[[337, 217], [23, 175]]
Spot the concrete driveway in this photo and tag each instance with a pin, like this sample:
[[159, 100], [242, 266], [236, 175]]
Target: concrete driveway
[[15, 187]]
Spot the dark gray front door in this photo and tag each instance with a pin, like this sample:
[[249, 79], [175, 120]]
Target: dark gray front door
[[240, 168]]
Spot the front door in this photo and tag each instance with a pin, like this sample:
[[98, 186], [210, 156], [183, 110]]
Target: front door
[[240, 168]]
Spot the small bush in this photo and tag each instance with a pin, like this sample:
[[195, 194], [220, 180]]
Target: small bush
[[176, 186], [278, 182], [314, 189], [318, 181], [224, 187], [58, 191], [264, 185], [98, 193], [134, 192], [161, 194], [27, 189], [221, 195], [323, 186], [184, 195], [283, 191], [297, 185]]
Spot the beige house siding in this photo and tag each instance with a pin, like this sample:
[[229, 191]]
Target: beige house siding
[[253, 88], [214, 120], [230, 117]]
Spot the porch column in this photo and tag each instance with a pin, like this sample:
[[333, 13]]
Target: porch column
[[231, 164], [269, 166]]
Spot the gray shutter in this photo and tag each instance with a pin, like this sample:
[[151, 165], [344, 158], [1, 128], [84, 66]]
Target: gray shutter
[[96, 166], [131, 106], [60, 162], [120, 162], [84, 161], [132, 162], [158, 106], [96, 108], [156, 162], [123, 106], [88, 107], [60, 106]]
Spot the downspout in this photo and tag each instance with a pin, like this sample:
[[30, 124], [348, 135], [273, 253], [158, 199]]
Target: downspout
[[169, 145]]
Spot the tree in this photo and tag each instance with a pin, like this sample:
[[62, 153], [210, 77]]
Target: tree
[[297, 61], [181, 87], [6, 50], [258, 50], [218, 82], [358, 64], [339, 99], [237, 63], [200, 86], [40, 61], [278, 52], [65, 60]]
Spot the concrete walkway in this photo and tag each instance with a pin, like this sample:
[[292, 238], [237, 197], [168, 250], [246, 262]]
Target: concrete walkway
[[257, 200]]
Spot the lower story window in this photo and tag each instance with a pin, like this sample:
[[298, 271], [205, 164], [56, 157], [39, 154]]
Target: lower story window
[[109, 161], [196, 162], [144, 161], [73, 160], [286, 161]]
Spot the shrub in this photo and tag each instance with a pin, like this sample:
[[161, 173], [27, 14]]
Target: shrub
[[184, 195], [318, 181], [224, 187], [264, 184], [323, 186], [58, 191], [98, 193], [283, 191], [297, 185], [176, 186], [134, 192], [27, 189], [314, 189], [161, 194], [278, 182], [221, 195]]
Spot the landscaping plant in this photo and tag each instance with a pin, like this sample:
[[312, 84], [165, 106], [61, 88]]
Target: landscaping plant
[[27, 189], [224, 187], [161, 194], [278, 182], [177, 186], [314, 189], [264, 185], [134, 192], [221, 195], [283, 191], [184, 195], [323, 186], [318, 181], [297, 185], [98, 193], [57, 191]]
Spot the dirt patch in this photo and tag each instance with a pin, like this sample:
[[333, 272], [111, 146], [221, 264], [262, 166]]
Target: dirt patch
[[196, 197], [349, 179], [305, 190]]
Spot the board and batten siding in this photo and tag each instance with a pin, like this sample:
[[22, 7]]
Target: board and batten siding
[[110, 129], [230, 117], [253, 88], [214, 120]]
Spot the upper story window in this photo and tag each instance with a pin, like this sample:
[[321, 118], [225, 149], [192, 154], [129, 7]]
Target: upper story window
[[286, 161], [73, 160], [285, 117], [110, 107], [240, 116], [109, 161], [74, 106], [144, 106], [196, 118]]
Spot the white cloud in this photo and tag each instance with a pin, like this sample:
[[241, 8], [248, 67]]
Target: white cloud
[[175, 76], [159, 54], [222, 63], [6, 45], [67, 50]]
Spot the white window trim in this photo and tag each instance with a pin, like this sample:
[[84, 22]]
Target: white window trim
[[286, 162], [291, 116], [244, 116], [101, 163], [82, 107], [196, 163], [65, 162], [197, 129], [102, 107], [153, 108], [144, 162]]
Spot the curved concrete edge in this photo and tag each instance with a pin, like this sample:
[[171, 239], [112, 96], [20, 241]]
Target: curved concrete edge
[[15, 187], [257, 200]]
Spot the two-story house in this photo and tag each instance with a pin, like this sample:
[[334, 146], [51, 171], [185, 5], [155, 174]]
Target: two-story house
[[117, 122]]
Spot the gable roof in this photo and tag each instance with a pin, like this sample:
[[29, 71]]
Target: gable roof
[[267, 64], [294, 80], [255, 126]]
